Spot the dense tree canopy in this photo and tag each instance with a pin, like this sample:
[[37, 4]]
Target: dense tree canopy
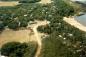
[[16, 49]]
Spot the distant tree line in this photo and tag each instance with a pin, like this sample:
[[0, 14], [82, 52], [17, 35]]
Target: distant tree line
[[23, 1]]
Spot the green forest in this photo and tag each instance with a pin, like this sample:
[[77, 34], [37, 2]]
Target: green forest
[[64, 40]]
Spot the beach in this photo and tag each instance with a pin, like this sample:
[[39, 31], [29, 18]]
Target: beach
[[75, 23]]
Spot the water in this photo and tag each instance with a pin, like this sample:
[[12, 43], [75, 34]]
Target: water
[[82, 1], [81, 19], [79, 0]]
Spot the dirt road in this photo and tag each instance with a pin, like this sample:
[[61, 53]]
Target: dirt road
[[37, 35]]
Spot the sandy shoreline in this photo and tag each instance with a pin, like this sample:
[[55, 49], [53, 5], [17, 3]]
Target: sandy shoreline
[[75, 23]]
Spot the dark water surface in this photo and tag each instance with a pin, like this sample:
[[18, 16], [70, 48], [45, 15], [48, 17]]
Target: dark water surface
[[82, 1]]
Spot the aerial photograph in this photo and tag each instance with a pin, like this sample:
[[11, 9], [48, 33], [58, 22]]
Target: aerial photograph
[[42, 28]]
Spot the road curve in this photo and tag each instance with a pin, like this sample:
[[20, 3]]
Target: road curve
[[38, 37]]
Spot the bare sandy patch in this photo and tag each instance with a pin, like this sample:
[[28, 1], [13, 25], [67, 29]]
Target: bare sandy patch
[[13, 3], [45, 1], [75, 23], [26, 35], [18, 36]]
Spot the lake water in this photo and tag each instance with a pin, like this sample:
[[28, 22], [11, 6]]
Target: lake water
[[79, 0], [82, 1], [81, 19]]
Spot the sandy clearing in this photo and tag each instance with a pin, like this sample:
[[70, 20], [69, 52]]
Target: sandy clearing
[[45, 1], [13, 3], [18, 36], [75, 23], [25, 35]]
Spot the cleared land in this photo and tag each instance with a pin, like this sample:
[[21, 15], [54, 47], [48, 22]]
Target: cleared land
[[19, 36], [74, 23], [45, 1], [25, 35], [13, 3]]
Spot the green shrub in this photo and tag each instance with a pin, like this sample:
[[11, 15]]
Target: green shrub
[[1, 26], [13, 25]]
